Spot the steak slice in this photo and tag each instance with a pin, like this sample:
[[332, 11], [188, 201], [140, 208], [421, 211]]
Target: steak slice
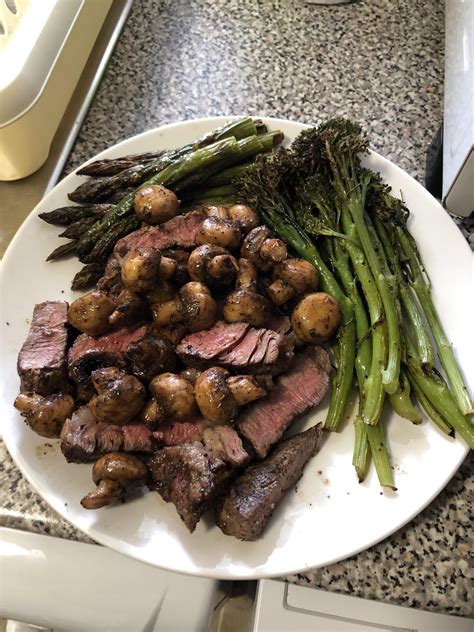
[[179, 232], [236, 346], [89, 353], [190, 478], [83, 439], [249, 503], [178, 432], [42, 365], [224, 442], [200, 348], [301, 388]]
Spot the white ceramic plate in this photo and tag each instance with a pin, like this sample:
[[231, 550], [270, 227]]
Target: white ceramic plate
[[329, 516]]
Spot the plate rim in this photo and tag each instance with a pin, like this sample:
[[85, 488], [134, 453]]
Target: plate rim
[[114, 542]]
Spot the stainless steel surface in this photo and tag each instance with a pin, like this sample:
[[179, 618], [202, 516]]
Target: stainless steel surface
[[18, 198]]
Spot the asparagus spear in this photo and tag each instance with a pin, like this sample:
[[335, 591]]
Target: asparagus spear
[[101, 188], [112, 166], [69, 214], [87, 276], [75, 230], [64, 250], [199, 160], [105, 244], [361, 452], [445, 351]]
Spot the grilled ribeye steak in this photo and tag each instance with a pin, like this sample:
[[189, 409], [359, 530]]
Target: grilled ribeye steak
[[42, 364], [179, 232], [302, 387], [249, 502], [190, 478], [236, 346], [223, 441], [89, 353], [83, 438]]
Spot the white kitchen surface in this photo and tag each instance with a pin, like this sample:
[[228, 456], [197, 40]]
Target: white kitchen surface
[[76, 587], [282, 607]]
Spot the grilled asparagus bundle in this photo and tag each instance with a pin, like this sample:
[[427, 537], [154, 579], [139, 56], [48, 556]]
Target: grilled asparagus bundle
[[193, 170]]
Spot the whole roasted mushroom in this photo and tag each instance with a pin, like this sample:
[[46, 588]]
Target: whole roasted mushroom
[[212, 265], [175, 395], [140, 268], [316, 317], [245, 216], [113, 473], [197, 305], [120, 396], [214, 397], [261, 247], [90, 313], [247, 307], [154, 204], [150, 356], [292, 278], [220, 232], [45, 415]]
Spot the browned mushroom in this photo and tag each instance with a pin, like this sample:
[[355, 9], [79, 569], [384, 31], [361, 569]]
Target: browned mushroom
[[292, 278], [90, 313], [198, 306], [150, 356], [175, 395], [247, 307], [245, 216], [246, 276], [262, 248], [140, 268], [113, 473], [165, 305], [316, 318], [212, 210], [214, 397], [120, 396], [245, 388], [45, 415], [154, 204], [212, 265], [220, 232]]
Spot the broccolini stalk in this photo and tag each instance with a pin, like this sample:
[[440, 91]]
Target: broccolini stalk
[[437, 393], [445, 352], [429, 409], [380, 456], [374, 392], [341, 143], [260, 187], [401, 403], [361, 452], [408, 301]]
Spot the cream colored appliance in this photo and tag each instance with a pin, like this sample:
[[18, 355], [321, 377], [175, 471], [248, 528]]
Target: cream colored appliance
[[44, 46]]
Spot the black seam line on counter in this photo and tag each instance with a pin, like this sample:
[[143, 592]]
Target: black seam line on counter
[[335, 617]]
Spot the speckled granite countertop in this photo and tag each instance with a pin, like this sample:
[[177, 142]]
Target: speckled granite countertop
[[378, 62]]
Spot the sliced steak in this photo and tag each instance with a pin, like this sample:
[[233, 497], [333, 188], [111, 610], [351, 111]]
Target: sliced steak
[[188, 477], [236, 346], [42, 365], [248, 504], [179, 432], [83, 439], [199, 348], [240, 355], [179, 232], [224, 442], [295, 392], [89, 353]]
